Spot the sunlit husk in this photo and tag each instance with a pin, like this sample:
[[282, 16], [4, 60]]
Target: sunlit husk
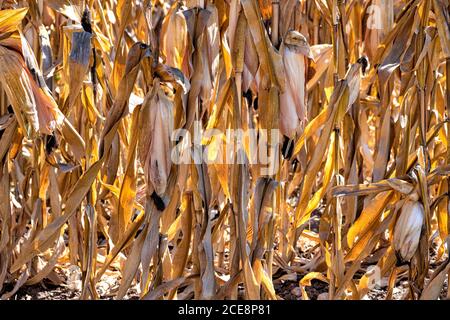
[[156, 126], [408, 230], [293, 111], [174, 38], [24, 93]]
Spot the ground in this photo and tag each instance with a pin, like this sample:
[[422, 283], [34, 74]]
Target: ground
[[286, 289]]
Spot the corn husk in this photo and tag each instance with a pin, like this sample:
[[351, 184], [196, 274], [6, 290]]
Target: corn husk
[[408, 229], [174, 38], [156, 126], [21, 78], [362, 143], [293, 113]]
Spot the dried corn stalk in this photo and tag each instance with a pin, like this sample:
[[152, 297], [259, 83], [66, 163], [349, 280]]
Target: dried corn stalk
[[212, 149]]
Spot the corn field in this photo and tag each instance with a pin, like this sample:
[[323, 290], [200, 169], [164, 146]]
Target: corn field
[[225, 149]]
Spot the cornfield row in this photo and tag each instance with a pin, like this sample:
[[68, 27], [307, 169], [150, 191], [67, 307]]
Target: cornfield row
[[355, 192]]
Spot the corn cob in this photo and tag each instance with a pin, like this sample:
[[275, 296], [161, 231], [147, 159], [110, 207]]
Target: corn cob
[[408, 230], [293, 113]]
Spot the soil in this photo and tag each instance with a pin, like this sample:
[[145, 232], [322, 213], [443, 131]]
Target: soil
[[287, 290], [48, 291], [286, 285]]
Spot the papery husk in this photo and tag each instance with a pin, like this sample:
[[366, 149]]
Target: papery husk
[[408, 230], [22, 79], [156, 126], [293, 111]]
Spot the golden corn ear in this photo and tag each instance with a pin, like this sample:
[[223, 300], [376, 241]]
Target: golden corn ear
[[292, 100], [408, 229], [156, 124], [21, 78]]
